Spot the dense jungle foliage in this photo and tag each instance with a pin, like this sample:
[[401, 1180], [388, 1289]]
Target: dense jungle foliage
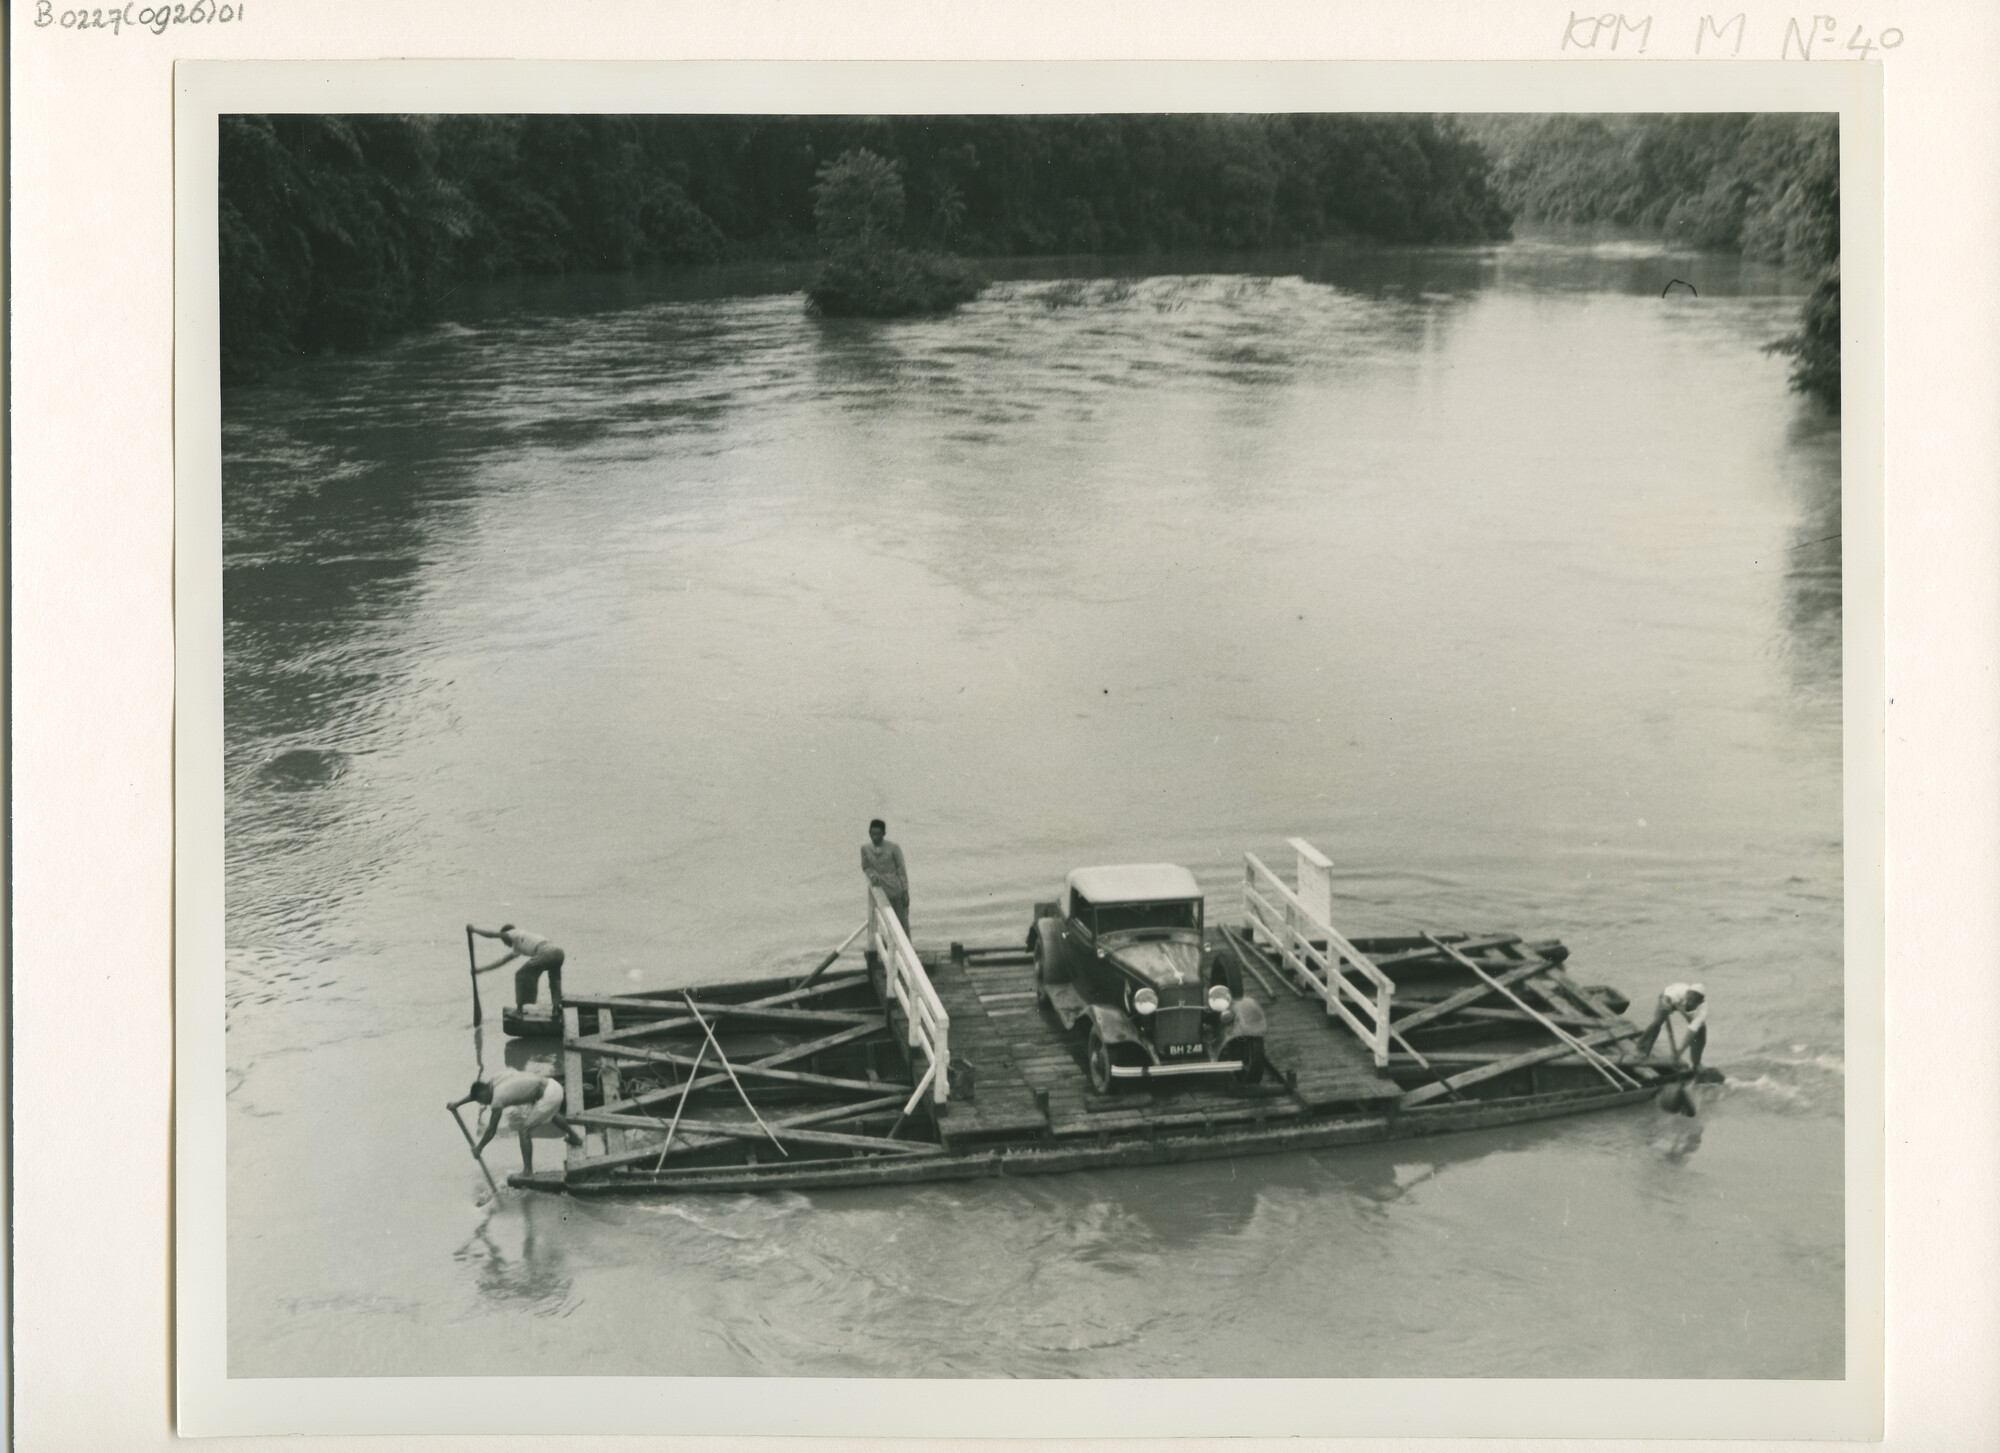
[[1767, 185], [337, 231]]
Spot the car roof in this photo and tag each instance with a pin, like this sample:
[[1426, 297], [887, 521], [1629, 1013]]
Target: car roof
[[1134, 883]]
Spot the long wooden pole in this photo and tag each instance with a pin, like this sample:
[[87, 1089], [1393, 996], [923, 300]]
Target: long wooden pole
[[1423, 1063], [667, 1144], [827, 962], [741, 1092], [918, 1094], [472, 961], [457, 1120], [1612, 1074]]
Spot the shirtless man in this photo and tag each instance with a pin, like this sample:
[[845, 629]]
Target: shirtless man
[[882, 861], [1690, 1001], [525, 1103], [542, 957]]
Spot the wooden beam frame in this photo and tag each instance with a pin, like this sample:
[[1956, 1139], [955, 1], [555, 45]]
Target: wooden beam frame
[[1467, 996], [715, 1079], [831, 1115], [1423, 1094]]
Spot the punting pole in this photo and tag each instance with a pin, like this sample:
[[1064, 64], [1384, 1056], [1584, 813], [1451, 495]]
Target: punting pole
[[456, 1120], [472, 962], [827, 962], [743, 1094]]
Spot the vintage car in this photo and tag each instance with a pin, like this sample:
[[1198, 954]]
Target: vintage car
[[1121, 954]]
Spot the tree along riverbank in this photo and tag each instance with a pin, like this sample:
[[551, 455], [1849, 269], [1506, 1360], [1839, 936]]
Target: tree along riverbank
[[336, 232], [1764, 185]]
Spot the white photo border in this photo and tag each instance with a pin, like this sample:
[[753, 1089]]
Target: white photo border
[[211, 1403]]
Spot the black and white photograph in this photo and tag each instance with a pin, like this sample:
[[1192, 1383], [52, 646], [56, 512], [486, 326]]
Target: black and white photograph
[[1085, 744]]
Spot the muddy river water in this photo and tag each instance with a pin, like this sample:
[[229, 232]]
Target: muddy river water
[[617, 608]]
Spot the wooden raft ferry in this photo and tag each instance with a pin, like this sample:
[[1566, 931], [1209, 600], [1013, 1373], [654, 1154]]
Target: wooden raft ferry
[[943, 1064]]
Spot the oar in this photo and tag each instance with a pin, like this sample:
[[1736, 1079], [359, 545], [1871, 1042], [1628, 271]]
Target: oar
[[456, 1120], [827, 962], [472, 959]]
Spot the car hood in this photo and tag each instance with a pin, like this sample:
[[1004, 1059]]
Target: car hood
[[1161, 962]]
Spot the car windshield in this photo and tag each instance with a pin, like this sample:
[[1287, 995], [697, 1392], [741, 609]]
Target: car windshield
[[1123, 917]]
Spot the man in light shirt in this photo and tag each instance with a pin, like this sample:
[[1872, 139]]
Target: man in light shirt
[[542, 958], [1690, 1001], [882, 861], [523, 1103]]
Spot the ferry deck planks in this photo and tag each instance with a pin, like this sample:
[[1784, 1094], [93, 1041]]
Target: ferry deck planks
[[990, 995]]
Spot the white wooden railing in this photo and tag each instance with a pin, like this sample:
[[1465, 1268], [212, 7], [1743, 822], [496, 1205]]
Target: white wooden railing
[[1295, 922], [905, 981]]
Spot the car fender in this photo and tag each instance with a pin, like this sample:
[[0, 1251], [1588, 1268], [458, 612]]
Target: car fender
[[1246, 1021], [1045, 938], [1113, 1024]]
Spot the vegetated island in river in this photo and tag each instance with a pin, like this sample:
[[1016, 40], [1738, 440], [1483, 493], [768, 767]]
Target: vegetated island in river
[[859, 205], [337, 232]]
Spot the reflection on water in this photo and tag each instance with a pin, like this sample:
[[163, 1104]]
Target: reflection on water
[[529, 1270], [618, 606]]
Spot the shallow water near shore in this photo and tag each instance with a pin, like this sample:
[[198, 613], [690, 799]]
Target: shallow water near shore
[[617, 607]]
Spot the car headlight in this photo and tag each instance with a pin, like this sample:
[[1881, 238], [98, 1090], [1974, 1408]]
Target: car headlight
[[1145, 1001], [1218, 998]]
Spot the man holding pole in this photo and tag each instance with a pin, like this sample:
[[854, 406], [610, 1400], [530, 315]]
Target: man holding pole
[[525, 1103], [1690, 1001], [542, 957]]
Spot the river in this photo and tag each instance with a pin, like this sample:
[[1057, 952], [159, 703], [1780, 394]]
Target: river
[[617, 607]]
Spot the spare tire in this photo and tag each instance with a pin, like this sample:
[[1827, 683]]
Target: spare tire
[[1225, 970]]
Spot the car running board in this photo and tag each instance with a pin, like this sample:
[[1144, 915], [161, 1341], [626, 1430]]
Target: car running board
[[1068, 1004]]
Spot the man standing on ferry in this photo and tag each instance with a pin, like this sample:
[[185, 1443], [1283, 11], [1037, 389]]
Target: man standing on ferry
[[542, 958], [882, 861]]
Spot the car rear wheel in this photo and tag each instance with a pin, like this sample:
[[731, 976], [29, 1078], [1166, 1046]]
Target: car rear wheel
[[1251, 1052], [1098, 1060], [1043, 951]]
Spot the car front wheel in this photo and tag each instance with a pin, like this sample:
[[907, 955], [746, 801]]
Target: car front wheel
[[1098, 1058]]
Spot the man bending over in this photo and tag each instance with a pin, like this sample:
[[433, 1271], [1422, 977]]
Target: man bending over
[[525, 1103]]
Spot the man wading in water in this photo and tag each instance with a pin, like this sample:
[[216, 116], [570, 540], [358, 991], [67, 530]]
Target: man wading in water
[[1690, 1002], [524, 1102], [542, 957], [882, 861]]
